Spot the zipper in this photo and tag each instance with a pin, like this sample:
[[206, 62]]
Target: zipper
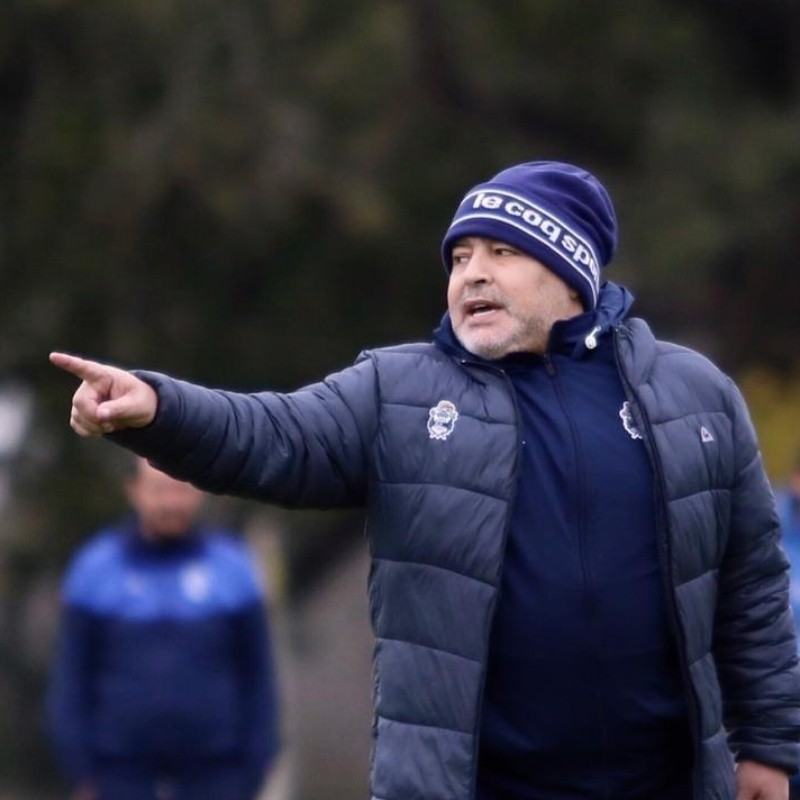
[[663, 539], [593, 648], [490, 618]]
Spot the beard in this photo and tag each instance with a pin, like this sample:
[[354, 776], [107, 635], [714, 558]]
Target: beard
[[526, 335]]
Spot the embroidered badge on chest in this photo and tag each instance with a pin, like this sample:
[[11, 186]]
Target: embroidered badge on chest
[[628, 422], [441, 420], [196, 583]]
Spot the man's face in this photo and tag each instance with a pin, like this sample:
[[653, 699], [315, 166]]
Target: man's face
[[503, 301], [167, 508]]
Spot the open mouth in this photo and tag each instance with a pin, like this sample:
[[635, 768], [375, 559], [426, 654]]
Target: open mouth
[[478, 308]]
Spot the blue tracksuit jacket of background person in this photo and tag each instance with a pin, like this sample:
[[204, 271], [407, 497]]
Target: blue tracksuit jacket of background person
[[164, 656], [788, 505], [583, 693]]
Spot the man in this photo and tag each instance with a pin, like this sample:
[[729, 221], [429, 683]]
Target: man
[[577, 587], [163, 685]]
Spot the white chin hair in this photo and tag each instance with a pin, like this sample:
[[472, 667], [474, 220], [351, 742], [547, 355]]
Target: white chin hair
[[483, 347]]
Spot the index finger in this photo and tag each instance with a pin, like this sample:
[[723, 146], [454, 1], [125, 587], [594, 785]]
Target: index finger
[[82, 368]]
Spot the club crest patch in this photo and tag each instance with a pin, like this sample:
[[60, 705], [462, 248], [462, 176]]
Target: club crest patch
[[441, 420], [628, 422], [196, 583]]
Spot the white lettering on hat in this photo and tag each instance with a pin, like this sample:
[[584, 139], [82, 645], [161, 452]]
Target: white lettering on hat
[[491, 201], [583, 256], [542, 225], [546, 226]]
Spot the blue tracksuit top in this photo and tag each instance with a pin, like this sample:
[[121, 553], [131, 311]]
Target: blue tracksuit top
[[788, 505], [164, 655], [583, 692]]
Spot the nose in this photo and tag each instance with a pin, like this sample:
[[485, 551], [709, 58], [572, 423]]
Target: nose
[[477, 269]]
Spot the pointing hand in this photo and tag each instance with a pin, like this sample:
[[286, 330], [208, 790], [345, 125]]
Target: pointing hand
[[109, 399]]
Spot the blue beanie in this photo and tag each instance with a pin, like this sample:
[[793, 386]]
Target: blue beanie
[[557, 213]]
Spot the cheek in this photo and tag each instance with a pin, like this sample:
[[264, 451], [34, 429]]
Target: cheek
[[453, 294]]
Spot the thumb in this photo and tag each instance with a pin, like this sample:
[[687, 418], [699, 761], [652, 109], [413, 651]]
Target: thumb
[[135, 408], [117, 410]]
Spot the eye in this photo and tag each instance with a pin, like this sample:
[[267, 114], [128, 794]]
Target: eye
[[505, 250], [459, 257]]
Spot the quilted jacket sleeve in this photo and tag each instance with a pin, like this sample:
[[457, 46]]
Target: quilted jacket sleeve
[[755, 647], [308, 448]]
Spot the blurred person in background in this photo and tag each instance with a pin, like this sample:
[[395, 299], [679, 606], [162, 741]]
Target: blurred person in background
[[788, 502], [163, 688], [577, 585]]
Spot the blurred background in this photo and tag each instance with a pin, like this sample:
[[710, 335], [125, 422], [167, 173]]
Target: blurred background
[[247, 193]]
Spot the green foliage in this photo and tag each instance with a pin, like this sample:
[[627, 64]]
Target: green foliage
[[248, 193], [774, 401]]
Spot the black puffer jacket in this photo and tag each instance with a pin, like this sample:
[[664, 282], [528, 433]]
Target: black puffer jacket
[[438, 507]]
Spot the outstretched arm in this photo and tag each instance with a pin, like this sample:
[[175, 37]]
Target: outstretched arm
[[308, 448], [109, 399]]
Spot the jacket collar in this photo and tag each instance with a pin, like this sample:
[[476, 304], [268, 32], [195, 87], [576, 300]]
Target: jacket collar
[[570, 337]]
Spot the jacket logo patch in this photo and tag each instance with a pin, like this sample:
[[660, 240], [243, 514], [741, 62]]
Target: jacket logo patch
[[196, 583], [441, 420], [705, 435], [628, 422]]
